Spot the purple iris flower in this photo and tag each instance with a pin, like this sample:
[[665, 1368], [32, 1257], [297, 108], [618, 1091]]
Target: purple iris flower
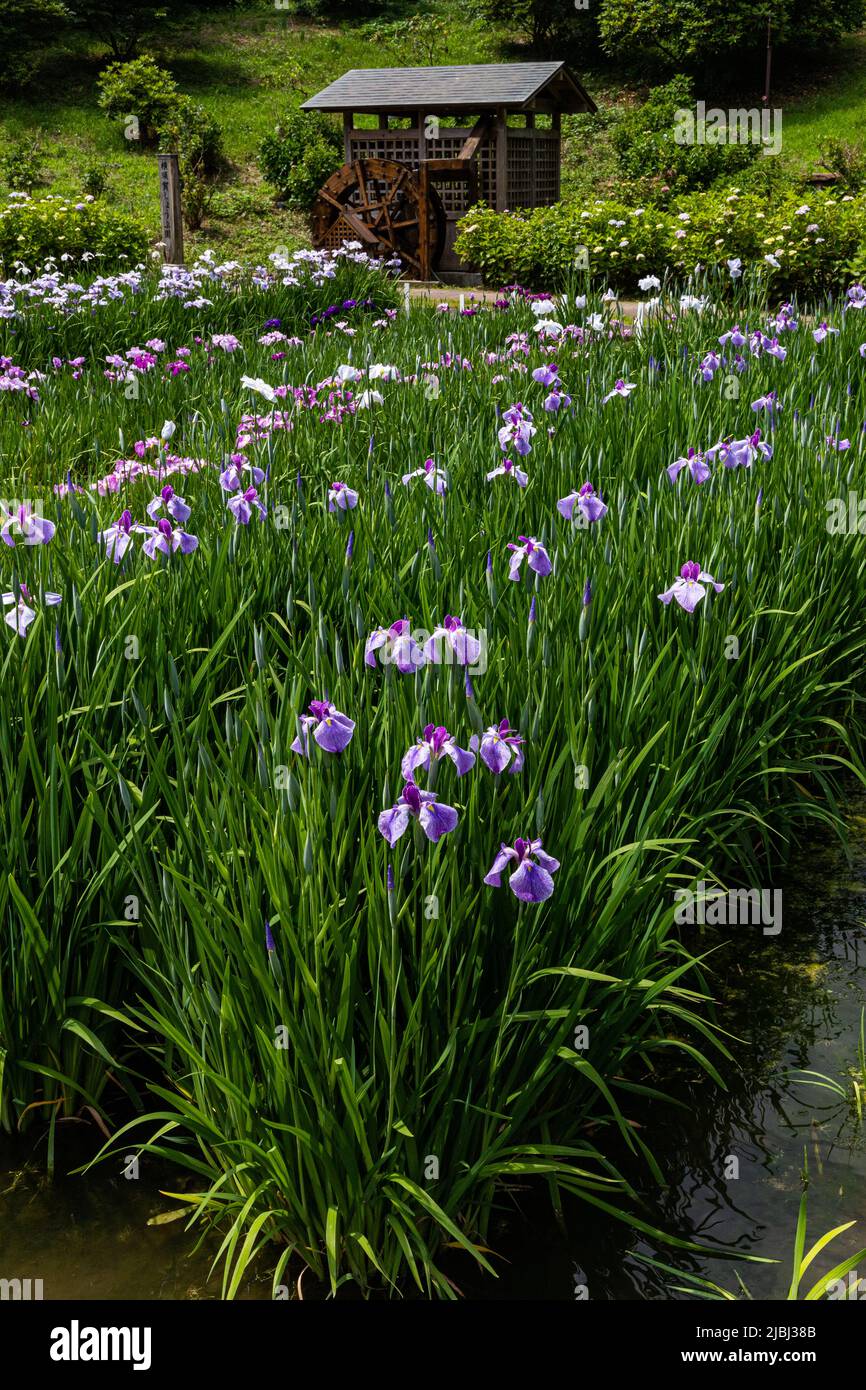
[[621, 388], [434, 818], [547, 375], [822, 331], [500, 746], [342, 497], [589, 506], [452, 636], [397, 646], [533, 552], [770, 402], [270, 944], [517, 431], [31, 528], [174, 505], [695, 462], [432, 476], [689, 589], [243, 505], [532, 879], [117, 537], [22, 615], [508, 469], [332, 730], [834, 442], [741, 453], [434, 743], [230, 478], [166, 538], [733, 336], [556, 400]]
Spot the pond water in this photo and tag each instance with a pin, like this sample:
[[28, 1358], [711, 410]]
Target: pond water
[[793, 1000], [795, 1003]]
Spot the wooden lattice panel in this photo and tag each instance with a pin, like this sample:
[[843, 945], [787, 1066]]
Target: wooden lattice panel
[[521, 153], [547, 169], [399, 145], [337, 234]]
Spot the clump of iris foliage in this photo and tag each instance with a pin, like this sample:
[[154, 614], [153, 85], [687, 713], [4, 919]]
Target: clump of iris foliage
[[323, 1009]]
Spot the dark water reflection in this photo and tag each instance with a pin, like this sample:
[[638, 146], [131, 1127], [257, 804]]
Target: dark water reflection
[[795, 1002]]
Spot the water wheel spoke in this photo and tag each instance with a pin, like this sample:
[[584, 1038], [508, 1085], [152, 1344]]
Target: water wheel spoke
[[381, 203]]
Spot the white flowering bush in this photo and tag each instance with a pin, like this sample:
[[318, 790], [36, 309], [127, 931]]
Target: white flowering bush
[[49, 227], [801, 242]]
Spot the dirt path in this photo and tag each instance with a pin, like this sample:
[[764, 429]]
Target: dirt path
[[451, 294]]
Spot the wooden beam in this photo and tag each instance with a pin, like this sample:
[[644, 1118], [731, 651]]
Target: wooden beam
[[348, 121], [477, 135]]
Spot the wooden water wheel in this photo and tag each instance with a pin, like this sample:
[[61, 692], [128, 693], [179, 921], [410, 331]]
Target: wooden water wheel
[[381, 204]]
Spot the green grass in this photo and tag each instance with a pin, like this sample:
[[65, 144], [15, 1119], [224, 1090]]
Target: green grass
[[832, 105]]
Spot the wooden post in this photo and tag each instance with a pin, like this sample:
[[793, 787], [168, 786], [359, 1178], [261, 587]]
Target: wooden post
[[533, 158], [169, 202], [348, 122], [501, 136], [424, 225], [422, 137]]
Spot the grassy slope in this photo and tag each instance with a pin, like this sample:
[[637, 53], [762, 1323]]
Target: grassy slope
[[247, 68], [833, 105]]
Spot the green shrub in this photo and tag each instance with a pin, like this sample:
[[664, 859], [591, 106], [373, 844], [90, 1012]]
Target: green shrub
[[306, 178], [194, 134], [646, 145], [141, 90], [34, 230], [95, 180], [847, 161], [21, 165], [299, 155]]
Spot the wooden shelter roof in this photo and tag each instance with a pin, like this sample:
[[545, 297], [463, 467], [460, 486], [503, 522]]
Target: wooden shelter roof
[[472, 87]]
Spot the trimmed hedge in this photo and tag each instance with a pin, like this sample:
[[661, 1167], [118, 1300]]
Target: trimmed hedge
[[814, 237]]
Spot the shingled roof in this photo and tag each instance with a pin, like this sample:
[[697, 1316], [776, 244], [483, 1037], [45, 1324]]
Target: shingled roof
[[473, 87]]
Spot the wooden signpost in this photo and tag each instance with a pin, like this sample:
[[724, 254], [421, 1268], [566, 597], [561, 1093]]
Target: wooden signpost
[[169, 202]]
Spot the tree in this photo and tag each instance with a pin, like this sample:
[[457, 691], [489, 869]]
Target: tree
[[26, 26], [545, 24], [124, 23], [691, 31]]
